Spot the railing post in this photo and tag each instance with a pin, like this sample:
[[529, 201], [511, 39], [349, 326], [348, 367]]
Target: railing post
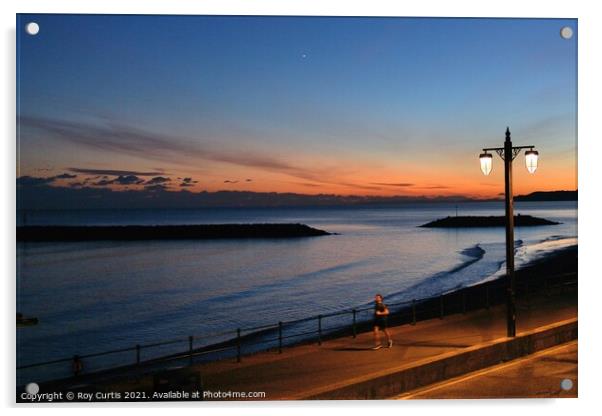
[[441, 312], [280, 337], [138, 353], [487, 295], [354, 328], [319, 329], [190, 341], [413, 311], [237, 345]]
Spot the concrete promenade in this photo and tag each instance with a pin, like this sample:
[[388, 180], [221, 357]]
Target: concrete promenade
[[310, 370], [424, 354], [548, 373]]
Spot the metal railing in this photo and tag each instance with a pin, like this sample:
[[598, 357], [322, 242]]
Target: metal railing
[[244, 341]]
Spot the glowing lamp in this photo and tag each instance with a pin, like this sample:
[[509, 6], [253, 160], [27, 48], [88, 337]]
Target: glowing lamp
[[531, 157], [487, 163]]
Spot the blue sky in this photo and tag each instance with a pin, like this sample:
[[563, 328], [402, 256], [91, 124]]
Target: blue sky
[[328, 102]]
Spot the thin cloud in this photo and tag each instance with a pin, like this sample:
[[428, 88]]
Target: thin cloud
[[309, 185], [357, 186], [128, 180], [187, 182], [33, 181], [158, 180], [434, 187], [65, 176], [120, 180], [400, 185], [112, 172], [117, 138], [547, 127]]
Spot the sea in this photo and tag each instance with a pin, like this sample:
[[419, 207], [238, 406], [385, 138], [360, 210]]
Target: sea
[[91, 297]]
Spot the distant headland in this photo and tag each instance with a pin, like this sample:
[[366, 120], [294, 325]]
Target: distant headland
[[165, 232], [491, 221], [548, 196]]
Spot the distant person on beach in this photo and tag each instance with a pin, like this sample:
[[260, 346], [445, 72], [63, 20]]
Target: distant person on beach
[[381, 312]]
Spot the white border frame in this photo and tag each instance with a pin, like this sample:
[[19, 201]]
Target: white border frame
[[590, 29]]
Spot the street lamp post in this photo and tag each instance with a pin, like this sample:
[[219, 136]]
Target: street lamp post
[[508, 153]]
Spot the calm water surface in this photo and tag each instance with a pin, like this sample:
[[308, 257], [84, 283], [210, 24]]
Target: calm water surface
[[96, 296]]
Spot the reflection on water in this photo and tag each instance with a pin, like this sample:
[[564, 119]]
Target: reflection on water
[[94, 296]]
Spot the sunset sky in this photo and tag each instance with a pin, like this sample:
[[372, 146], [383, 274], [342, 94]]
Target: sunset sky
[[349, 106]]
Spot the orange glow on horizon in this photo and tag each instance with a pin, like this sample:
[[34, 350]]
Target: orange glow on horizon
[[387, 175], [451, 183]]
